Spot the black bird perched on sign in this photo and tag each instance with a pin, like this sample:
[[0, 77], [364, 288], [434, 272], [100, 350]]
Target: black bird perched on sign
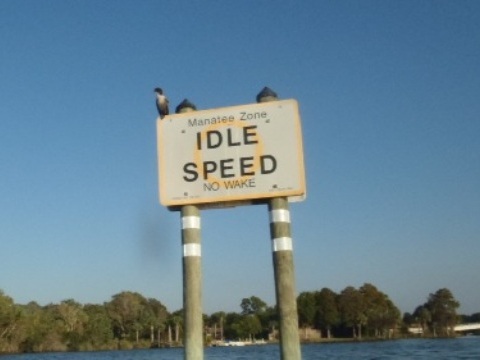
[[162, 103]]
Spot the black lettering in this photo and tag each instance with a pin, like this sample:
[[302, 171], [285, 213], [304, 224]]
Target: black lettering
[[190, 169], [245, 164], [199, 141], [208, 168], [211, 186], [239, 184], [211, 137], [263, 164], [247, 134], [230, 140], [224, 168]]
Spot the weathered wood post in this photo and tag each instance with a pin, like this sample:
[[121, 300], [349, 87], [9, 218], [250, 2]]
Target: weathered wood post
[[192, 272], [282, 249]]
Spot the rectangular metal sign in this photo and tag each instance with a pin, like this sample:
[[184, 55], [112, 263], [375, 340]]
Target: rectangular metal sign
[[238, 153]]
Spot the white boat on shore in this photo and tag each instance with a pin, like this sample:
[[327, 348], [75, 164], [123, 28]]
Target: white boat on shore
[[239, 342]]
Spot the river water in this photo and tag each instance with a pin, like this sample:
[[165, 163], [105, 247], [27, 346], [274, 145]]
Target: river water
[[442, 349]]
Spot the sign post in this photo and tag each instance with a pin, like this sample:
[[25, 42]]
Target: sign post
[[282, 248], [240, 155], [192, 273], [192, 282]]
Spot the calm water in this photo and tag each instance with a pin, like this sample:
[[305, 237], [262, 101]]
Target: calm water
[[461, 348]]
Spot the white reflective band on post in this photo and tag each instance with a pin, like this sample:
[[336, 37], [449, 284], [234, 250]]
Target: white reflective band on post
[[283, 243], [280, 215], [191, 222], [192, 250]]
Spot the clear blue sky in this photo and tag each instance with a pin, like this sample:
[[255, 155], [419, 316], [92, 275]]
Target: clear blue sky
[[389, 96]]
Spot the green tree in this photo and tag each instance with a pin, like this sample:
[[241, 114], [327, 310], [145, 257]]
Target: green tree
[[256, 317], [390, 318], [253, 305], [269, 320], [327, 314], [98, 330], [352, 308], [382, 316], [10, 321], [46, 331], [31, 314], [126, 310], [423, 317], [443, 309], [73, 319], [156, 319], [306, 310], [216, 321], [175, 323], [248, 326], [231, 325]]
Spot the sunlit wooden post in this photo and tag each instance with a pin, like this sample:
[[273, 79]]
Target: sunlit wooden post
[[282, 249], [192, 272]]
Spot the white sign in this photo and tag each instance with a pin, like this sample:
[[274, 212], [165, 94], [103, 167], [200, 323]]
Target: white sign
[[224, 155]]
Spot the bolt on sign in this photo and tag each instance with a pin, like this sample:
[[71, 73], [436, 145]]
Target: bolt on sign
[[234, 154]]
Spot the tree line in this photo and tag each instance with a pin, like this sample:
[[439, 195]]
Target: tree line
[[129, 320], [438, 316], [367, 311]]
